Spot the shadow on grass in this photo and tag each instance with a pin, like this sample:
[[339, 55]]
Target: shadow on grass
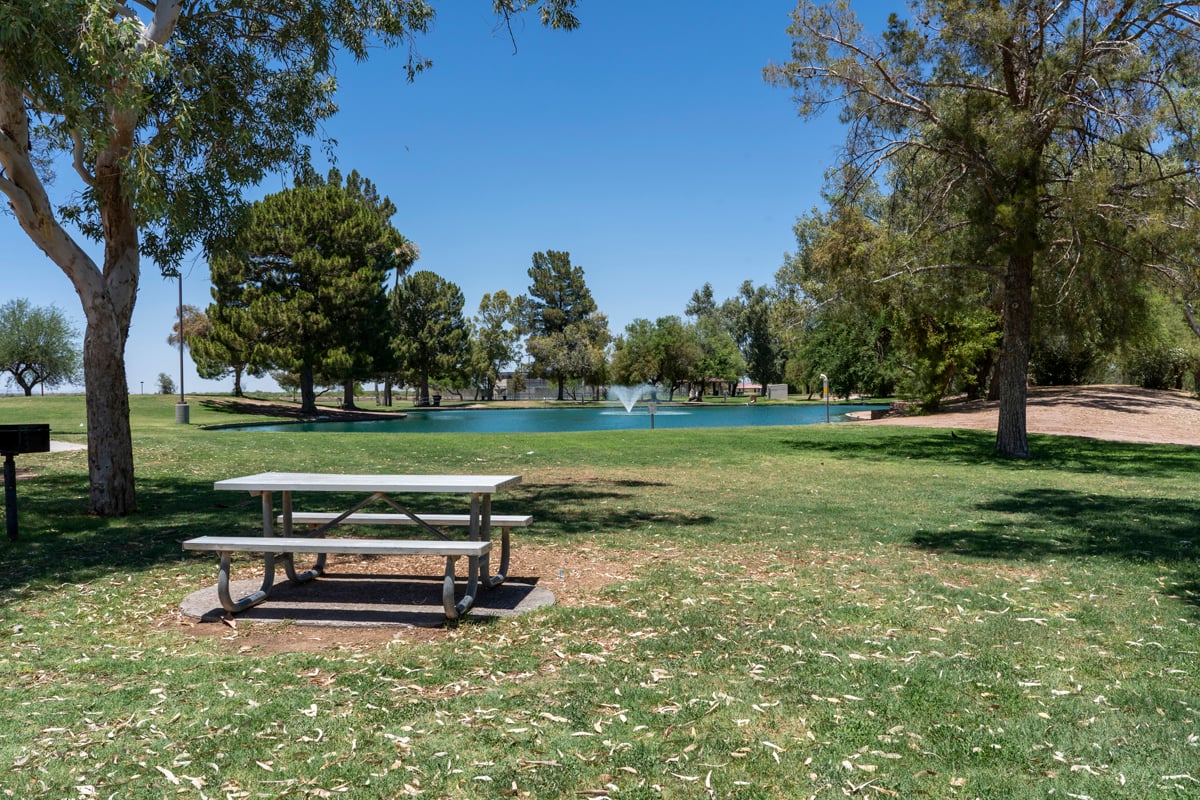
[[1041, 524], [59, 542], [600, 506], [1066, 453]]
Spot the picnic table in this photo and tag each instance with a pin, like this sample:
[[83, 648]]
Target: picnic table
[[282, 542]]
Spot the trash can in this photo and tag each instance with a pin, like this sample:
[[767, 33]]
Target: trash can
[[437, 399]]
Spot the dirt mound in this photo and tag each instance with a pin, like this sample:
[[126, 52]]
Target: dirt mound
[[1114, 413]]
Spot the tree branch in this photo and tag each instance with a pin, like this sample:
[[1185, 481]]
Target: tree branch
[[78, 151]]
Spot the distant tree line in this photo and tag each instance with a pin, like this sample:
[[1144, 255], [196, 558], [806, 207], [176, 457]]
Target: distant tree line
[[314, 286]]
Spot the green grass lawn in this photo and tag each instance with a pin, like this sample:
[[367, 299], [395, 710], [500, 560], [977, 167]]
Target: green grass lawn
[[822, 611]]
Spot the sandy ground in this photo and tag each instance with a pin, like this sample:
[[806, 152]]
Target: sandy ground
[[1115, 413]]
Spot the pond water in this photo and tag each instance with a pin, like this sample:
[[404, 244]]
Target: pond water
[[583, 418]]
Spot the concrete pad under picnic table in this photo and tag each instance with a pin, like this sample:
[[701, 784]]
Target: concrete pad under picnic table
[[365, 600]]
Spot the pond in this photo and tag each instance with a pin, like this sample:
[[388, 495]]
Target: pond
[[583, 418]]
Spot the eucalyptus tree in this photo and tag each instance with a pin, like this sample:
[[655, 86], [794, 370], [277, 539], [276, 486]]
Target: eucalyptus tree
[[38, 346], [165, 111], [635, 358], [1043, 127], [495, 339], [720, 362], [308, 267], [431, 336], [667, 352]]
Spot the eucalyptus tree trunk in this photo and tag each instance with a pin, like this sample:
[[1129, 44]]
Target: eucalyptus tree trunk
[[1011, 439], [110, 445], [107, 295]]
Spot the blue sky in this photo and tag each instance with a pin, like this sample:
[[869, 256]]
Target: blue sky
[[646, 144]]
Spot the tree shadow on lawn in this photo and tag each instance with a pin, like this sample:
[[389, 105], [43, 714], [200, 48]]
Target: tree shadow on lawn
[[966, 447], [60, 543], [1041, 524]]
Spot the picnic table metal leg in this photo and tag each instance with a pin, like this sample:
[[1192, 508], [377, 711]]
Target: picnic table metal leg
[[253, 599], [289, 563], [481, 530], [453, 609]]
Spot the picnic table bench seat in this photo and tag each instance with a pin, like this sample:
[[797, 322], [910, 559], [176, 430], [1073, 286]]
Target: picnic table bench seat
[[284, 547]]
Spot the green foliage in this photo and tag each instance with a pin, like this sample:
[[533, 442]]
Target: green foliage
[[304, 275], [1158, 365], [748, 317], [702, 303], [1058, 360], [227, 346], [37, 346], [558, 295], [666, 352], [1167, 355], [495, 339], [431, 335], [166, 384], [719, 361], [577, 351], [567, 335], [166, 112], [231, 94], [852, 349], [944, 353]]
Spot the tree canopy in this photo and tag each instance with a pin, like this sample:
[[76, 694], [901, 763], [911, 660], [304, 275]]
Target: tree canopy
[[38, 346], [565, 330], [308, 266], [494, 340], [431, 334], [1028, 132]]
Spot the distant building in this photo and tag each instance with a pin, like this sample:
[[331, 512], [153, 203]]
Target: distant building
[[746, 386]]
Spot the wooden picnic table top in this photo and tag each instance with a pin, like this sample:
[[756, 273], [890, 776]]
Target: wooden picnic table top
[[340, 482]]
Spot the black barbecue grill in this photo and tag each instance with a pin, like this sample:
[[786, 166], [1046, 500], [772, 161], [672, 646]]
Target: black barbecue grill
[[14, 440]]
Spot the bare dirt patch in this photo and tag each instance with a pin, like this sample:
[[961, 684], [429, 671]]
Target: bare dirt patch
[[1113, 413], [576, 575]]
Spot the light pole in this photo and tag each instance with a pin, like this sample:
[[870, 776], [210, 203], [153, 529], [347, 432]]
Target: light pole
[[182, 411]]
